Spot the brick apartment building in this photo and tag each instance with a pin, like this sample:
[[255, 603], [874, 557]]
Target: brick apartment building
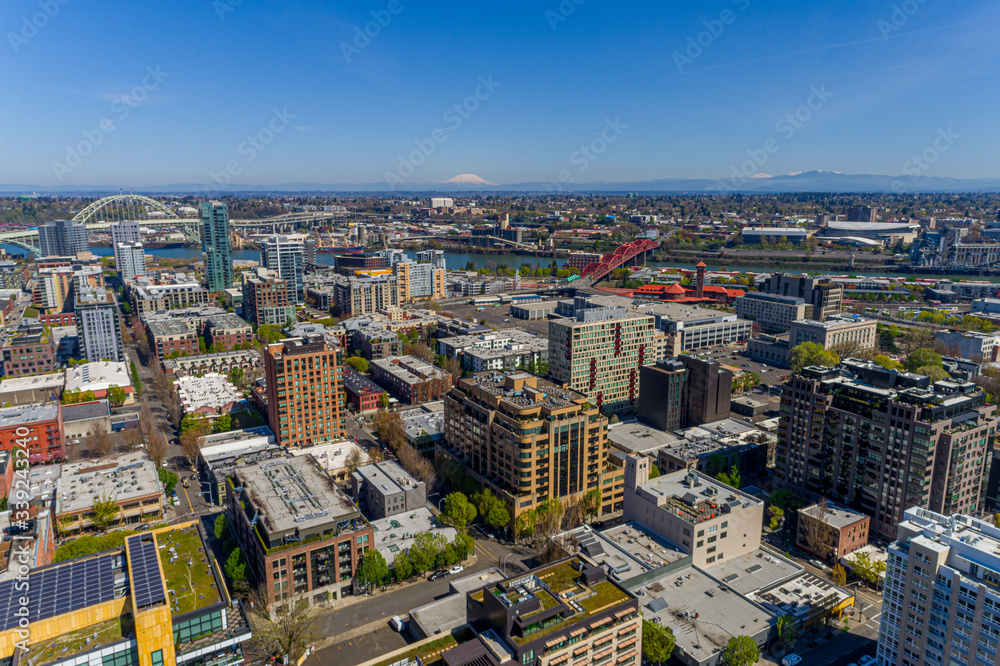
[[305, 391], [227, 332], [38, 427], [362, 393], [830, 531], [266, 299], [411, 379], [30, 352], [167, 337], [305, 549]]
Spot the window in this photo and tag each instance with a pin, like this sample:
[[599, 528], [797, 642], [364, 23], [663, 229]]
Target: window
[[158, 658]]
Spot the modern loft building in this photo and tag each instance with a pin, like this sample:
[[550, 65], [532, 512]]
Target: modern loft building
[[305, 391], [62, 238], [941, 602], [99, 325], [529, 440], [683, 392], [130, 261], [215, 245], [157, 600], [824, 296], [286, 256], [881, 441]]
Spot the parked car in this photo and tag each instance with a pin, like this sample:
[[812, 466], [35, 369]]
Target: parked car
[[163, 464], [438, 575], [457, 569], [791, 660]]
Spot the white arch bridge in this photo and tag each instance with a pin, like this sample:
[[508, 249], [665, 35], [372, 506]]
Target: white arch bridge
[[104, 213]]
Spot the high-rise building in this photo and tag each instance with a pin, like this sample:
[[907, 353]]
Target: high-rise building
[[305, 391], [62, 238], [215, 245], [862, 214], [362, 296], [773, 312], [941, 600], [433, 257], [881, 441], [683, 392], [124, 232], [99, 325], [130, 261], [823, 296], [529, 440], [265, 299], [599, 353], [286, 255]]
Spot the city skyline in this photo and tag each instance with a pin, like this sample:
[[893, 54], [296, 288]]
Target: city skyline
[[569, 92]]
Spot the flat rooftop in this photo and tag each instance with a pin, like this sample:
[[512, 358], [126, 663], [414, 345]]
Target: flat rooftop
[[753, 571], [11, 417], [833, 514], [800, 596], [293, 494], [396, 533], [55, 380], [210, 390], [641, 438], [690, 494], [332, 456], [702, 614], [187, 570], [163, 327], [126, 476], [449, 612], [644, 545], [388, 476], [97, 375], [533, 392], [403, 367]]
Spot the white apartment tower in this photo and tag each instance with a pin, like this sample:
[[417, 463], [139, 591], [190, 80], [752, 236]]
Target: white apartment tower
[[130, 260], [124, 232]]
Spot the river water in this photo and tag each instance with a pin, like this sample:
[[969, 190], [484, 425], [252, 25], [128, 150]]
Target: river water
[[458, 260]]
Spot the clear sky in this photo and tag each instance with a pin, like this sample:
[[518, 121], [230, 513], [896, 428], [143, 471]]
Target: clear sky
[[169, 91]]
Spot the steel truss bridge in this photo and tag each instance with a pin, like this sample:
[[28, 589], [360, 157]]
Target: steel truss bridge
[[624, 255]]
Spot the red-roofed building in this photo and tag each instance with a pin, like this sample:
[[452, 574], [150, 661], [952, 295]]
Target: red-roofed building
[[688, 294]]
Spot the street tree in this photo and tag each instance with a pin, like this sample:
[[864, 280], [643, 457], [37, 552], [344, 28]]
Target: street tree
[[402, 566], [353, 460], [277, 632], [525, 523], [591, 503], [458, 511], [116, 396], [657, 642], [100, 442], [105, 512], [839, 575], [156, 447], [787, 628], [373, 570], [741, 651]]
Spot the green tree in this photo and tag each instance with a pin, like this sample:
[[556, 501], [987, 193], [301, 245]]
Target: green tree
[[592, 503], [525, 523], [458, 511], [221, 527], [654, 471], [868, 568], [811, 353], [919, 358], [236, 566], [373, 570], [741, 651], [402, 566], [787, 628], [776, 513], [839, 575], [193, 422], [657, 642], [168, 478], [236, 377], [359, 363], [424, 552], [786, 500], [888, 363], [106, 512], [136, 381], [116, 396], [383, 400], [936, 373], [223, 423], [733, 478]]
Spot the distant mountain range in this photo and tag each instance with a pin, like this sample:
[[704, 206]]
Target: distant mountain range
[[805, 181]]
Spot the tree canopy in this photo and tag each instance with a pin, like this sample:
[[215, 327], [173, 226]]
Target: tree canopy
[[919, 358], [458, 511], [741, 651], [657, 642], [811, 353]]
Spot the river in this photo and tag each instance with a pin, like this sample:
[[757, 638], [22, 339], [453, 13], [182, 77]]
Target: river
[[458, 260]]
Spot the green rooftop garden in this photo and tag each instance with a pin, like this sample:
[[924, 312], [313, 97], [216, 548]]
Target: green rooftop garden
[[66, 645], [190, 582], [430, 653]]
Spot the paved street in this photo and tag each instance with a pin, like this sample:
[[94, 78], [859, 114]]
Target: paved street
[[372, 615]]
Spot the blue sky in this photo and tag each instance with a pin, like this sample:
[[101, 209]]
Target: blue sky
[[619, 77]]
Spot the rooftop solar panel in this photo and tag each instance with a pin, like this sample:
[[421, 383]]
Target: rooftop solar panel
[[147, 584], [59, 589]]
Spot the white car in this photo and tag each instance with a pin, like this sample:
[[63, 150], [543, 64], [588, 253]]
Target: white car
[[791, 660], [456, 569], [163, 464]]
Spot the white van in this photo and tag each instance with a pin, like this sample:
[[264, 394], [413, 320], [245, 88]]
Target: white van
[[397, 623]]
